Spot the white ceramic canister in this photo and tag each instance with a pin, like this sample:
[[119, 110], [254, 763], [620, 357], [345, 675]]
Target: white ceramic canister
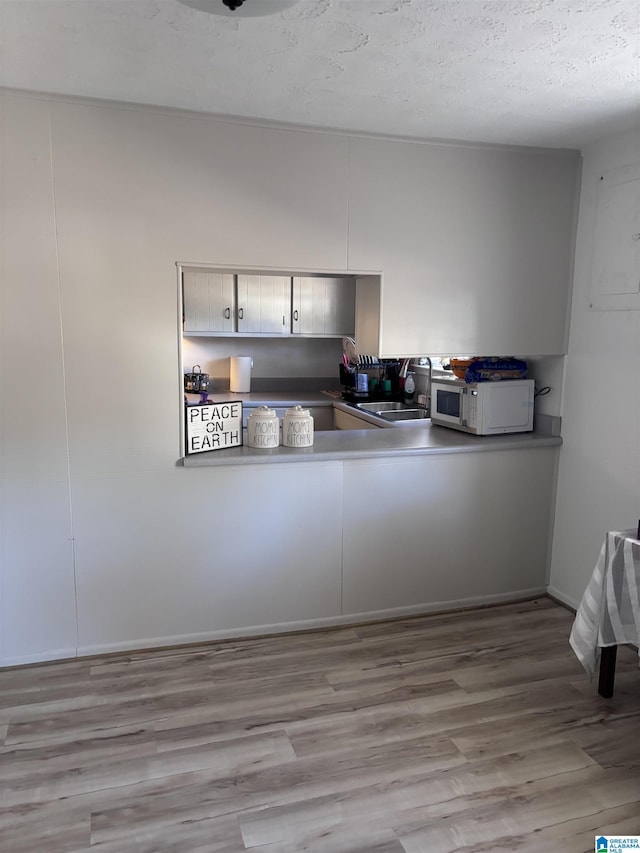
[[297, 428], [263, 428]]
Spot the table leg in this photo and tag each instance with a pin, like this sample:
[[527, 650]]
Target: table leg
[[607, 671]]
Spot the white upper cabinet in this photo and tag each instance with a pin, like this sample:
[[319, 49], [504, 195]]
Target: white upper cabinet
[[229, 303], [323, 305], [475, 245], [209, 301], [223, 303], [264, 304]]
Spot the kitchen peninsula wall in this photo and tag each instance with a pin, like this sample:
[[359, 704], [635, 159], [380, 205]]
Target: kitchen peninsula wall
[[99, 202]]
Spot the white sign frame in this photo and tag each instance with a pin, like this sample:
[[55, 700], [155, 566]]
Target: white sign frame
[[212, 426]]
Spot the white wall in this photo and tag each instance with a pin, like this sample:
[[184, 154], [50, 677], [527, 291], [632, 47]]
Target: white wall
[[476, 244], [599, 473], [444, 528], [37, 584], [104, 540], [99, 202]]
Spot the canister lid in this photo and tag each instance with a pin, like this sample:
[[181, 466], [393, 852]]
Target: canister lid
[[297, 412], [263, 412]]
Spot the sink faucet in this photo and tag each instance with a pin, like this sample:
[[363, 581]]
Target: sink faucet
[[421, 361], [428, 394]]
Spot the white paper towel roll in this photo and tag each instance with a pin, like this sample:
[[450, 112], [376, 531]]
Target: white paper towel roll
[[240, 373]]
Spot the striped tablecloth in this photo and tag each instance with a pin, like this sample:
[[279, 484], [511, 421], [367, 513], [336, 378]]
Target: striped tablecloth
[[609, 613]]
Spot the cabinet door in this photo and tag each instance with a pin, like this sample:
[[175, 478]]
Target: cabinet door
[[343, 420], [264, 304], [322, 418], [323, 306], [208, 301]]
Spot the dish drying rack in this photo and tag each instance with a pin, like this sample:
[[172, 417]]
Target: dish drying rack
[[377, 370]]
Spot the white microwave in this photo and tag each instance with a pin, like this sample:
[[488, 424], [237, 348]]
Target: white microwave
[[483, 408]]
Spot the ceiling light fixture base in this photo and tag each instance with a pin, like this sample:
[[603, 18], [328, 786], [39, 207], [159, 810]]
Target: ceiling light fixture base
[[240, 8]]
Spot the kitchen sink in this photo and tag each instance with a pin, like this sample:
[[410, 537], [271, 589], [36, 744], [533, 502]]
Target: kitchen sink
[[403, 415], [394, 411], [384, 406]]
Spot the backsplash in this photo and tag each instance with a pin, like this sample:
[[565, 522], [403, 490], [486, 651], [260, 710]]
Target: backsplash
[[287, 357]]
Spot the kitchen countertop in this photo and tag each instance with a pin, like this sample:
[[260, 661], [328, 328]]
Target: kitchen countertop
[[370, 443]]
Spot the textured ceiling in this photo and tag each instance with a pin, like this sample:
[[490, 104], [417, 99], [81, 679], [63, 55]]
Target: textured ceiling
[[531, 72]]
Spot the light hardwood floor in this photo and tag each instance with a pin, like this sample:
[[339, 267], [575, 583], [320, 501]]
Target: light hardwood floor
[[473, 731]]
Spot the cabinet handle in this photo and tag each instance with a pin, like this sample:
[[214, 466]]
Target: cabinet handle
[[227, 313], [295, 315], [240, 313]]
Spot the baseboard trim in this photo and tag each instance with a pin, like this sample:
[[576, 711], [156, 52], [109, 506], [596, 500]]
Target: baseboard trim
[[253, 631], [43, 657], [315, 624], [560, 598]]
